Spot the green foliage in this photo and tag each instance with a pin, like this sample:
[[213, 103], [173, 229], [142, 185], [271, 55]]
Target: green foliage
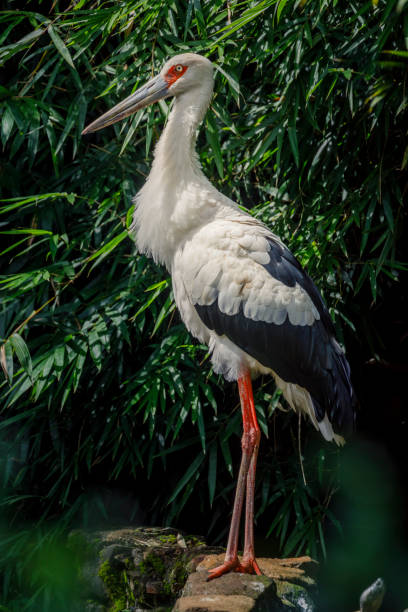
[[46, 575], [305, 129], [116, 586]]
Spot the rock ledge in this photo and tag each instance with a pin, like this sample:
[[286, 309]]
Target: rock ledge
[[147, 568], [286, 584]]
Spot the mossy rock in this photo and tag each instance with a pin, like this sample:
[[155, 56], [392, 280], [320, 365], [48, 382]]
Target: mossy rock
[[165, 567], [294, 597], [127, 568], [170, 539], [117, 586]]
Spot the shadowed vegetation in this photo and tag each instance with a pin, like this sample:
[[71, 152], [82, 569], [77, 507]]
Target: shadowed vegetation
[[103, 389]]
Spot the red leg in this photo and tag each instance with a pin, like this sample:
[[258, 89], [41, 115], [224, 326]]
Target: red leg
[[246, 479], [249, 563]]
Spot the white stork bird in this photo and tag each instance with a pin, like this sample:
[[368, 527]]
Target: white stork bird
[[237, 286]]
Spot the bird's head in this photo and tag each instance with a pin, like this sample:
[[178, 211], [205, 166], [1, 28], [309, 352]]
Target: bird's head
[[181, 73]]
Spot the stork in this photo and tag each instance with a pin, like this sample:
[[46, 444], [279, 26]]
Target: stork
[[237, 286]]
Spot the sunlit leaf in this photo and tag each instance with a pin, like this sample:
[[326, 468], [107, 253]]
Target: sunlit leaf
[[60, 45]]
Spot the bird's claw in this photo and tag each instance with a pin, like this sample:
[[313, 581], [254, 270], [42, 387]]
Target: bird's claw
[[248, 566], [227, 566]]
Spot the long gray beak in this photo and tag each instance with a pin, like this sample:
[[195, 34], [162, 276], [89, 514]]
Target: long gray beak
[[155, 89]]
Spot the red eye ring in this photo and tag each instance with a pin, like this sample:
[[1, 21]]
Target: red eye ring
[[174, 73]]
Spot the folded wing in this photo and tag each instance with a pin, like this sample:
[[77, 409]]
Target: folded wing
[[246, 285]]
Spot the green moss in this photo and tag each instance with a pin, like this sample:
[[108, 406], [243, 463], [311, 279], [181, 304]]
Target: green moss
[[176, 578], [116, 585], [168, 539], [170, 571], [291, 594], [172, 575], [172, 539], [193, 541], [153, 564]]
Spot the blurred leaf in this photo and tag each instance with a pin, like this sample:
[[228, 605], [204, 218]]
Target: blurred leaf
[[212, 472], [6, 359], [22, 353], [191, 472]]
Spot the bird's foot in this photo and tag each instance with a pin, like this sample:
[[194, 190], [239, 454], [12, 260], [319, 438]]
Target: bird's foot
[[227, 566], [248, 566]]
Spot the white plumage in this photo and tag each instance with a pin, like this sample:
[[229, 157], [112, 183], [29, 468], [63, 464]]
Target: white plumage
[[237, 287], [213, 264], [213, 250]]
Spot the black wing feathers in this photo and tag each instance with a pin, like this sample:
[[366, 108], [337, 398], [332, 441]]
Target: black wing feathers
[[306, 355], [285, 267]]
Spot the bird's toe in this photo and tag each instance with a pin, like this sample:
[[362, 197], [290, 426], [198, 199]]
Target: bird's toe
[[248, 566], [227, 566]]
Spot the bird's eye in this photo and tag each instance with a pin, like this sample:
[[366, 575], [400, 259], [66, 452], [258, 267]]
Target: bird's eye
[[174, 73]]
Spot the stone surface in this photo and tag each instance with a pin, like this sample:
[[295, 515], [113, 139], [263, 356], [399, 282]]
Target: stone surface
[[299, 569], [286, 584], [229, 584], [372, 598], [214, 603]]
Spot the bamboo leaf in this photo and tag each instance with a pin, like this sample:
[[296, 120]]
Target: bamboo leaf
[[31, 231], [109, 246], [60, 45], [7, 124], [22, 353], [214, 141], [192, 472], [294, 143], [6, 360]]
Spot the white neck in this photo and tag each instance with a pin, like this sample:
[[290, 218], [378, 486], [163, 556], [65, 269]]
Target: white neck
[[175, 154], [176, 198]]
